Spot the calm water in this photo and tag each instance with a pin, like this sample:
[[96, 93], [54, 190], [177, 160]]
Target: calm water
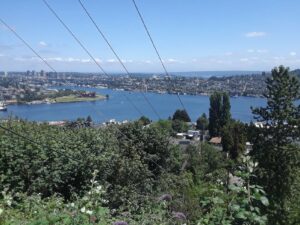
[[119, 108]]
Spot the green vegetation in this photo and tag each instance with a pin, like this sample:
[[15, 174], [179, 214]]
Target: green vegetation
[[219, 113], [133, 174], [202, 122], [143, 178], [75, 98], [181, 115], [275, 146], [60, 96]]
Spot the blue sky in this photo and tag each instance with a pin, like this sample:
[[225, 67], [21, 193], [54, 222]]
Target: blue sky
[[191, 35]]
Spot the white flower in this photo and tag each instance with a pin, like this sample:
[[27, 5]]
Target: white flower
[[8, 202], [105, 201], [1, 211], [90, 212], [99, 187], [72, 204], [82, 210]]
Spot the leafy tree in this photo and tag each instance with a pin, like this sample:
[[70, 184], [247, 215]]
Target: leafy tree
[[89, 121], [179, 126], [144, 120], [181, 115], [202, 122], [274, 143], [234, 139]]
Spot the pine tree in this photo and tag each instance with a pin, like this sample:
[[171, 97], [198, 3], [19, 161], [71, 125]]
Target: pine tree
[[273, 144]]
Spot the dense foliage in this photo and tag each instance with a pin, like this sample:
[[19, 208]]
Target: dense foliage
[[135, 173], [137, 176]]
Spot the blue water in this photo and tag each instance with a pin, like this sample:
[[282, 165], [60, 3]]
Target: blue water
[[119, 108]]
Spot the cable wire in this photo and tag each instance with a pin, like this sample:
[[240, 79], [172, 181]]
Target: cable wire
[[86, 50], [20, 38], [114, 52], [155, 48]]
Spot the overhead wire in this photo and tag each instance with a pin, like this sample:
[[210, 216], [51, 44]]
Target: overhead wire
[[156, 49], [86, 50], [91, 56], [45, 61], [116, 55], [20, 38]]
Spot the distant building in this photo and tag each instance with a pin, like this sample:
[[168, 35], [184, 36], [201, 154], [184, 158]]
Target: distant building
[[57, 123], [88, 95], [216, 141]]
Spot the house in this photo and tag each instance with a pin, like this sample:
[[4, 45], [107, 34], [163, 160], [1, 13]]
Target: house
[[88, 95], [193, 134], [216, 141]]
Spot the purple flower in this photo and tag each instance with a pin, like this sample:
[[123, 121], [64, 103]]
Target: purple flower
[[165, 197], [120, 223], [179, 215]]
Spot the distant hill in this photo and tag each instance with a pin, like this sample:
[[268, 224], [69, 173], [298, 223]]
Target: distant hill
[[296, 72], [207, 74]]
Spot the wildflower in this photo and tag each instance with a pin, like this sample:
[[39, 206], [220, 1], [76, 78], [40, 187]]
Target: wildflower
[[120, 223], [1, 211], [104, 201], [82, 210], [165, 197], [89, 212], [99, 188], [8, 202], [72, 204], [179, 215]]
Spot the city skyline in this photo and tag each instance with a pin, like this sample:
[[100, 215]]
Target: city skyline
[[191, 36]]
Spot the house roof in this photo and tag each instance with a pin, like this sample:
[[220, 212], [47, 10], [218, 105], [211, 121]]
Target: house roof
[[215, 140]]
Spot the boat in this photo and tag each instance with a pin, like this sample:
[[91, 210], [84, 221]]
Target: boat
[[3, 107]]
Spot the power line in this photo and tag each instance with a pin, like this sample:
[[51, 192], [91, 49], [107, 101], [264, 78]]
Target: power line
[[85, 49], [114, 52], [20, 38], [30, 140], [155, 48]]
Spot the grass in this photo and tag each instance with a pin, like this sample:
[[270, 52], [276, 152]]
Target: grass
[[74, 98]]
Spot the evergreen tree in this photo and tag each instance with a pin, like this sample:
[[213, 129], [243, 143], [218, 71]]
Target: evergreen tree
[[273, 144]]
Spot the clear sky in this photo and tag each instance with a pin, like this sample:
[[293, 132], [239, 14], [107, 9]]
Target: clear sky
[[191, 35]]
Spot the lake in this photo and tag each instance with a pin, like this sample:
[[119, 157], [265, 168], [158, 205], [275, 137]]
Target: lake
[[117, 107]]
